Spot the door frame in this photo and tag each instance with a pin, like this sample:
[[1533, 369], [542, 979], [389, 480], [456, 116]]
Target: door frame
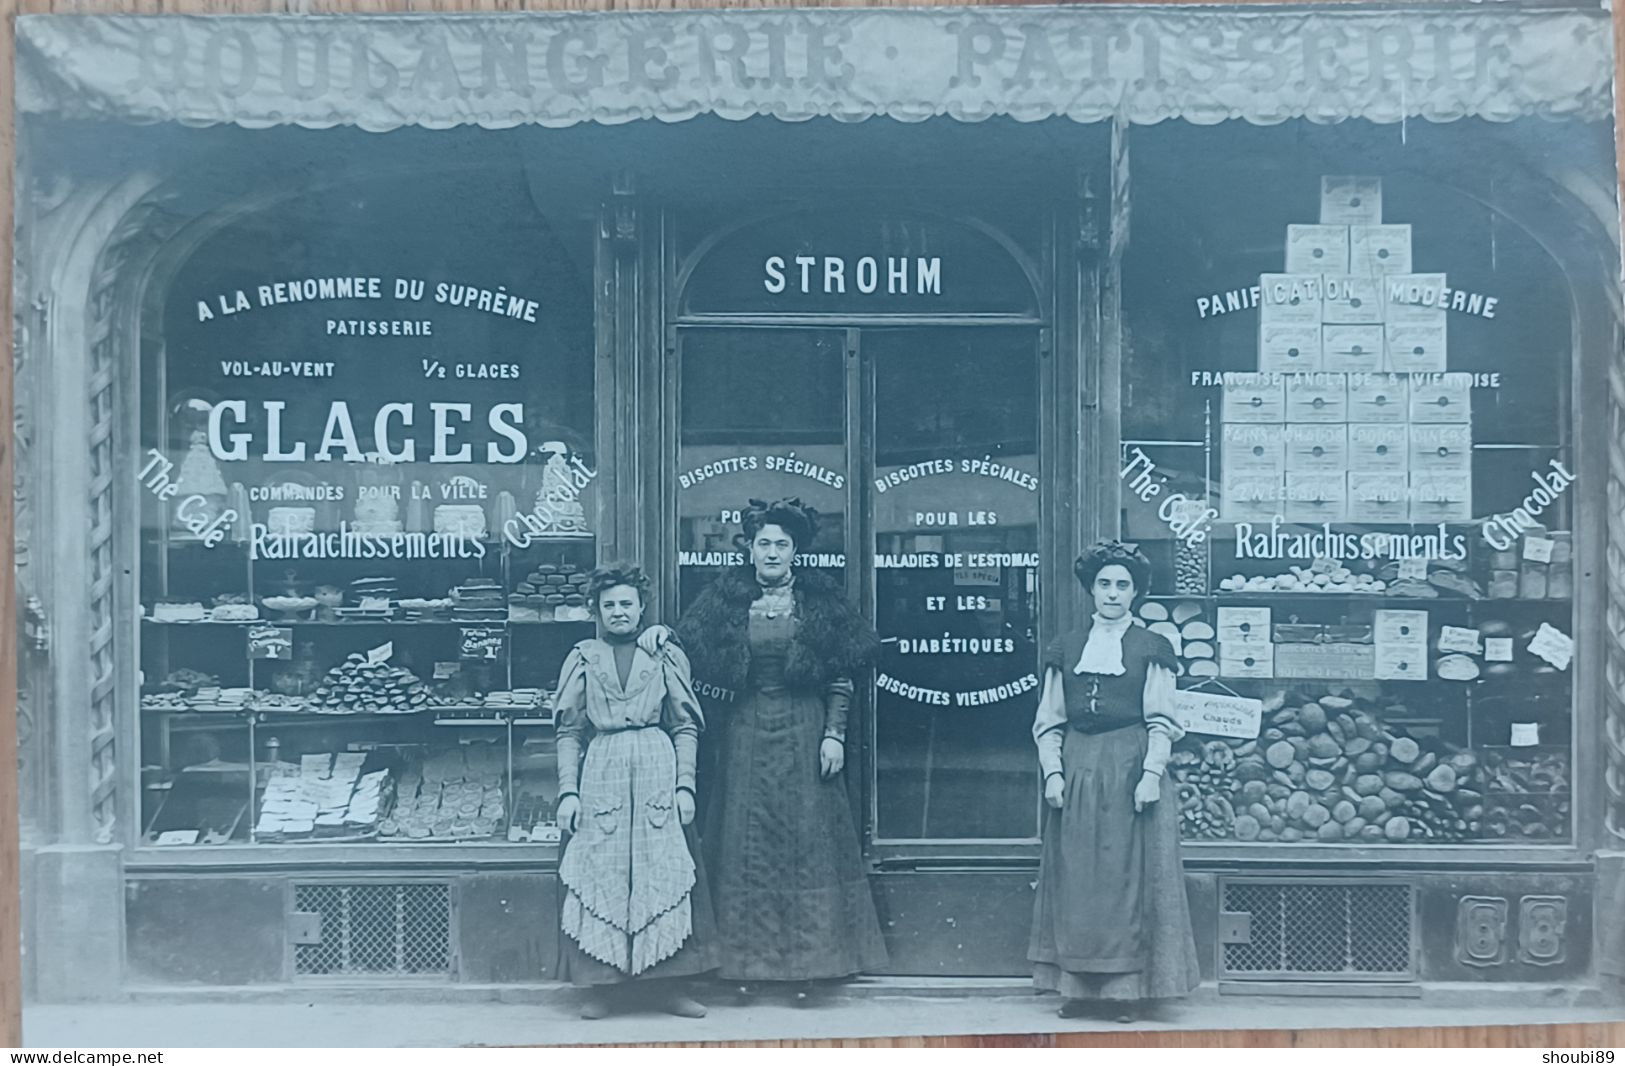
[[1073, 328]]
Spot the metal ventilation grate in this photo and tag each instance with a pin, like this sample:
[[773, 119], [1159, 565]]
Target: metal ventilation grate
[[1318, 930], [375, 929]]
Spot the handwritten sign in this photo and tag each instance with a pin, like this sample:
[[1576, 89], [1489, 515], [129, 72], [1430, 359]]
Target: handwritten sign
[[1498, 649], [382, 653], [1458, 638], [485, 643], [1218, 715], [1413, 570], [443, 670], [1537, 549], [270, 642], [1556, 647]]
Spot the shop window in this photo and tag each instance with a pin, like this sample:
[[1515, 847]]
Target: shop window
[[1352, 477], [368, 493]]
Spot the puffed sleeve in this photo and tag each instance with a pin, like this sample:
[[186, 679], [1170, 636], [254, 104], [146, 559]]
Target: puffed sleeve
[[837, 700], [1049, 725], [680, 713], [570, 720], [1158, 704], [1054, 656]]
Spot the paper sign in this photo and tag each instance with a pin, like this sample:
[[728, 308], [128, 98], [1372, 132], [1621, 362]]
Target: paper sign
[[177, 836], [270, 642], [482, 642], [1457, 638], [1553, 646], [382, 653], [445, 670], [1413, 570], [1498, 649], [1218, 715], [1537, 549], [977, 575]]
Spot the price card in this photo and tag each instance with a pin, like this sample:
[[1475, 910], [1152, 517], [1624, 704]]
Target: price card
[[270, 642], [1217, 715], [1552, 645], [1413, 570], [1458, 638], [1498, 649], [485, 643], [445, 670], [382, 653], [1537, 549], [176, 836]]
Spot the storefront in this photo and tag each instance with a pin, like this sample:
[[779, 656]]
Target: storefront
[[348, 346]]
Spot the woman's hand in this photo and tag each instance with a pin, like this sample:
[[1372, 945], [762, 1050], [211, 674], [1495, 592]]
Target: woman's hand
[[685, 806], [651, 640], [569, 813], [1055, 790], [1148, 791], [831, 757]]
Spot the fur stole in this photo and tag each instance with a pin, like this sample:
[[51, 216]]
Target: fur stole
[[831, 639]]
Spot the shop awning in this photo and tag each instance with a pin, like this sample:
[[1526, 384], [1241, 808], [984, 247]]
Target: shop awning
[[1204, 65]]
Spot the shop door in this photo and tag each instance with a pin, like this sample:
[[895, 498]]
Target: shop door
[[920, 449]]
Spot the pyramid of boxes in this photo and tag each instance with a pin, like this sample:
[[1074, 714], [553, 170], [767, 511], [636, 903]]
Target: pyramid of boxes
[[1352, 416]]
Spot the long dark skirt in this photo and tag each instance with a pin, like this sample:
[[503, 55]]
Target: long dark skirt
[[792, 899], [1112, 920], [697, 956]]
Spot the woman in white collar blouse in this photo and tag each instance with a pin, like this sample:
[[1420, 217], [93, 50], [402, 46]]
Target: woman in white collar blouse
[[1111, 922]]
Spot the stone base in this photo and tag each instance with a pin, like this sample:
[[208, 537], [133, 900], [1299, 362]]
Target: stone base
[[73, 910], [1611, 916]]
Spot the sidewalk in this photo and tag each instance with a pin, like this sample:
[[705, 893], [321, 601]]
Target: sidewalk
[[319, 1018]]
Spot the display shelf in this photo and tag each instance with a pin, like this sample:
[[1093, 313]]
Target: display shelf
[[373, 622], [183, 717], [1357, 597]]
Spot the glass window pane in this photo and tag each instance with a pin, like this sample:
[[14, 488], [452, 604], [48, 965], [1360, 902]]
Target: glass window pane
[[365, 432], [955, 504], [763, 416]]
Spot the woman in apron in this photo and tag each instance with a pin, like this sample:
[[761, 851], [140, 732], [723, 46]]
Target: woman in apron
[[635, 903]]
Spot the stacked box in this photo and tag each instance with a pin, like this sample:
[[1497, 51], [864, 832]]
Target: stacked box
[[1350, 200], [1442, 398], [1415, 349], [1317, 249], [1251, 497], [1359, 339], [1289, 299], [1254, 398], [1317, 398], [1289, 348], [1352, 349], [1414, 299], [1379, 496], [1245, 649], [1441, 448], [1255, 449], [1379, 448], [1314, 498], [1401, 638], [1375, 250], [1318, 448], [1351, 299]]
